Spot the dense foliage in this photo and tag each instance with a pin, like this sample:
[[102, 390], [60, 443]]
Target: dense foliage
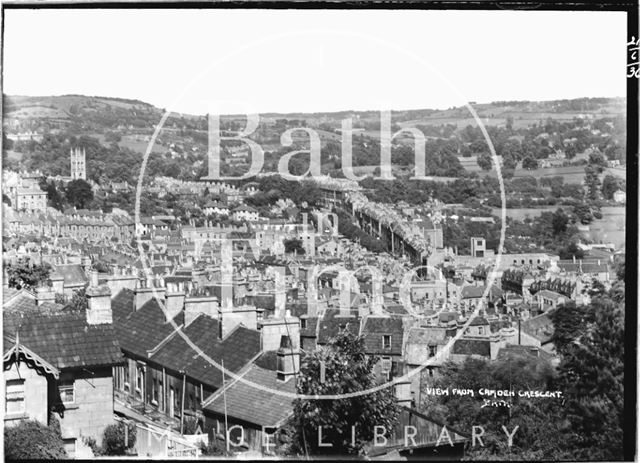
[[347, 369], [31, 440], [586, 423], [118, 438], [27, 275]]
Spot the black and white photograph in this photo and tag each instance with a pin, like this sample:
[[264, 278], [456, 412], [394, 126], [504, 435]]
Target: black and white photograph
[[320, 231]]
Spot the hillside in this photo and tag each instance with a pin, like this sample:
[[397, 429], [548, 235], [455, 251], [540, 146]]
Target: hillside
[[122, 128]]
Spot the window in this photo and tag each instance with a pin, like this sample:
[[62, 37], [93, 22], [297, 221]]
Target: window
[[154, 391], [67, 391], [386, 364], [160, 395], [432, 351], [125, 372], [139, 381], [393, 372], [303, 323], [15, 396], [386, 341], [70, 447], [481, 330]]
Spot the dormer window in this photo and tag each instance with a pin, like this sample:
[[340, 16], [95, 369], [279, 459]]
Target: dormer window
[[386, 341]]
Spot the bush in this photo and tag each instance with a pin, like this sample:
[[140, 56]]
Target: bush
[[213, 448], [33, 440], [113, 439], [93, 445]]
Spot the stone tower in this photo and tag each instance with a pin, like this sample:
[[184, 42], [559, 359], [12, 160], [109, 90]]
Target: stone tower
[[78, 164]]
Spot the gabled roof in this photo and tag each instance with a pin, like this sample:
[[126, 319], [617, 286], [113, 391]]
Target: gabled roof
[[139, 331], [332, 323], [73, 274], [256, 405], [479, 321], [549, 294], [373, 330], [17, 299], [471, 291], [540, 327], [237, 349], [12, 346], [64, 338], [416, 349], [472, 347]]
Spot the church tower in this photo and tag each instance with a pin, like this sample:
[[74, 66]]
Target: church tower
[[78, 164]]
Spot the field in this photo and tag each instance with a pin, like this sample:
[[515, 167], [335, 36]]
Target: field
[[611, 228], [524, 212]]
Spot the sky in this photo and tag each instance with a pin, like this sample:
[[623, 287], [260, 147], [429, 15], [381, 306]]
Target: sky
[[196, 61]]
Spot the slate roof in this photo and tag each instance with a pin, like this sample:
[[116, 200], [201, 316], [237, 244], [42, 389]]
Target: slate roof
[[64, 338], [540, 327], [515, 350], [472, 347], [73, 274], [237, 349], [497, 325], [258, 406], [19, 300], [469, 292], [585, 267], [419, 340], [8, 293], [141, 330], [331, 324], [479, 321], [373, 330], [547, 294]]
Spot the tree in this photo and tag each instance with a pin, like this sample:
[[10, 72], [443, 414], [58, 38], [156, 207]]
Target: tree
[[33, 440], [610, 184], [484, 161], [583, 212], [569, 322], [570, 251], [529, 163], [79, 193], [293, 245], [112, 136], [348, 370], [538, 435], [592, 376], [508, 162], [54, 197], [26, 275], [560, 222], [113, 439], [592, 181], [597, 161], [570, 152]]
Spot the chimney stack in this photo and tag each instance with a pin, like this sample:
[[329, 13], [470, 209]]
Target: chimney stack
[[99, 301], [288, 359], [44, 294], [174, 299]]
